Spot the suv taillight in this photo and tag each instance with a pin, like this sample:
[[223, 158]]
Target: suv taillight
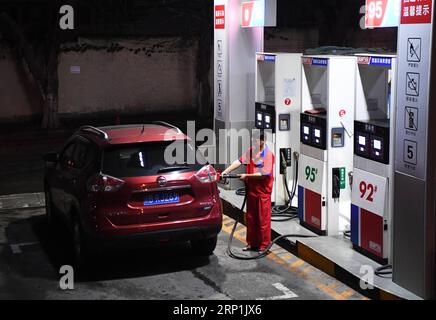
[[207, 174], [104, 183]]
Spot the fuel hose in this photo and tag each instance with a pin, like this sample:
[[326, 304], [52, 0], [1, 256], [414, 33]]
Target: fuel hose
[[262, 253]]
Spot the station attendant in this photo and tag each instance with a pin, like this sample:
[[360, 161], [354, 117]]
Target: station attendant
[[259, 177]]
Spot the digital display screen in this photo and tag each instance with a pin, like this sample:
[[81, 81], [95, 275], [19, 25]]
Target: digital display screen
[[362, 140], [306, 130], [377, 144], [317, 133], [267, 119], [259, 116]]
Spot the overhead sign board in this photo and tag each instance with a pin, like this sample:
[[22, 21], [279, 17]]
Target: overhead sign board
[[416, 11], [259, 13], [382, 13]]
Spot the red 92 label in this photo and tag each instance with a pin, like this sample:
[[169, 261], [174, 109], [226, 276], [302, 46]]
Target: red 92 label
[[367, 191]]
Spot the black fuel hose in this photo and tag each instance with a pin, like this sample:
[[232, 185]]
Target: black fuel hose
[[240, 191], [347, 234], [383, 270], [263, 253], [287, 212]]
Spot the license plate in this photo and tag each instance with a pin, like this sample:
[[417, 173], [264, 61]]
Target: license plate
[[159, 198]]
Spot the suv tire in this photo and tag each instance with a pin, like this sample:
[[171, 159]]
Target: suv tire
[[49, 210], [204, 247], [81, 251]]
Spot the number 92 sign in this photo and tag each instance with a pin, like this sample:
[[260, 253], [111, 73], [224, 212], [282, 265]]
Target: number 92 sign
[[369, 191], [382, 13]]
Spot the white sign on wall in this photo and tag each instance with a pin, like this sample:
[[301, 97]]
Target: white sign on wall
[[75, 69], [415, 34]]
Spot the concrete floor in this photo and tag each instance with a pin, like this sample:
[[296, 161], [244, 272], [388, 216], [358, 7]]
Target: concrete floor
[[31, 256], [336, 250]]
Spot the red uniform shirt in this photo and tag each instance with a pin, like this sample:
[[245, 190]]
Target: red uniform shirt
[[262, 162]]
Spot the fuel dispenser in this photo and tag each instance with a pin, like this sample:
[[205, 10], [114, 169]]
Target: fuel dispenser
[[328, 98], [277, 109], [373, 173]]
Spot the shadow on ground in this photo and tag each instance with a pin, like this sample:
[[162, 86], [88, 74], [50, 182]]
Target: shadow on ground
[[57, 251]]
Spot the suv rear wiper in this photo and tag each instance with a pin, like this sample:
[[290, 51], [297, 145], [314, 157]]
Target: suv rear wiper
[[175, 168]]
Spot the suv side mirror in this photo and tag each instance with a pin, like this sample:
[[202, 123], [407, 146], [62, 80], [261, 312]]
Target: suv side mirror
[[52, 157]]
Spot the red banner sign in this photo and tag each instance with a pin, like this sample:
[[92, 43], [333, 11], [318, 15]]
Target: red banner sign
[[416, 11], [220, 17]]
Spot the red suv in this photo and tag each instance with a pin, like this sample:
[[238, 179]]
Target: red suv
[[112, 185]]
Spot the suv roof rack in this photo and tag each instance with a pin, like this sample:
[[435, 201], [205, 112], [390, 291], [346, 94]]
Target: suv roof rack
[[95, 131], [166, 124]]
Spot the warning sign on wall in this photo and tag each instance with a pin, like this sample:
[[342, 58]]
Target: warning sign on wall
[[414, 52]]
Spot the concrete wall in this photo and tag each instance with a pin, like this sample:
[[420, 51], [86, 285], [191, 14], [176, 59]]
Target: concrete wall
[[298, 40], [144, 76], [18, 98], [290, 40], [140, 76]]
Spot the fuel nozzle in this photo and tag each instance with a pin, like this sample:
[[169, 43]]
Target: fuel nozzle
[[296, 156], [283, 163], [225, 177], [230, 176], [336, 189], [350, 179]]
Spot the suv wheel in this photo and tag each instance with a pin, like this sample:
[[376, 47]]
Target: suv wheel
[[49, 210], [80, 246], [204, 247]]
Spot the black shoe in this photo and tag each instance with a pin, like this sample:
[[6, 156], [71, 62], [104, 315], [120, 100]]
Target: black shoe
[[248, 248]]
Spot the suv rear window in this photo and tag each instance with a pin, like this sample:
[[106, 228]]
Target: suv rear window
[[148, 159]]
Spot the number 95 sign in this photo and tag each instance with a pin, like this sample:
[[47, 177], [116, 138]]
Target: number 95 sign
[[382, 13], [369, 191], [311, 176]]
